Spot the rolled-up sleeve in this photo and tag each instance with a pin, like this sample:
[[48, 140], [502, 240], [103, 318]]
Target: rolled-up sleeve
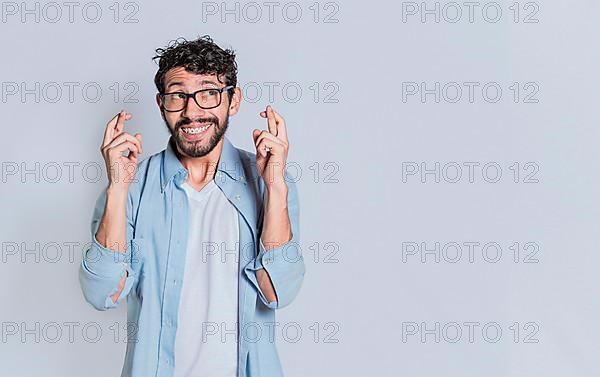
[[284, 263], [102, 269]]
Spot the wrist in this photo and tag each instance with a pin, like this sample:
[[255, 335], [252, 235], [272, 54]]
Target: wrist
[[116, 192], [276, 199], [277, 186]]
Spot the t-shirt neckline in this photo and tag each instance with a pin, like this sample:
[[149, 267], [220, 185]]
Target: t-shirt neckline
[[202, 194]]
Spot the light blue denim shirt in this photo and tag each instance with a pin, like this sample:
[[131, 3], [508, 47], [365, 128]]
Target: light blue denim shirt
[[157, 233]]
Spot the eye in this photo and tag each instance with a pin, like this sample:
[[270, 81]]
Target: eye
[[179, 95], [212, 92]]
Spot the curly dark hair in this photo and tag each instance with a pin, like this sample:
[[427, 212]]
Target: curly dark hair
[[199, 56]]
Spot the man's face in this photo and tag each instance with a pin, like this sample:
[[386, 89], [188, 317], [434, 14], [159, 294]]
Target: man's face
[[197, 131]]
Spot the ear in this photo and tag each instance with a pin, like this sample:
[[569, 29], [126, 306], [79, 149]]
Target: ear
[[160, 107], [236, 101]]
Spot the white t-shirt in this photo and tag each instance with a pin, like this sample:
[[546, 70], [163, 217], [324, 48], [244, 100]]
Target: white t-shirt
[[207, 333]]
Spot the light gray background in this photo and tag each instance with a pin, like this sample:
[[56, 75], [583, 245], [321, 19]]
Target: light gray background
[[354, 312]]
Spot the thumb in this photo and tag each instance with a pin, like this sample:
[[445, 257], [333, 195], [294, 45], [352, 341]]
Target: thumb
[[255, 134]]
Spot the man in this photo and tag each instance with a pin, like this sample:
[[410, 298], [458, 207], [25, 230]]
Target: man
[[202, 238]]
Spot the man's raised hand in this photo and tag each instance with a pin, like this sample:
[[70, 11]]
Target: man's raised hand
[[120, 168], [271, 149]]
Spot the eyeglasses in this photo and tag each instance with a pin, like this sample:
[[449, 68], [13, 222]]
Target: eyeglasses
[[204, 98]]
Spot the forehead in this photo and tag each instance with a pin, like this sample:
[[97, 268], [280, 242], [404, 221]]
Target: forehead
[[179, 77]]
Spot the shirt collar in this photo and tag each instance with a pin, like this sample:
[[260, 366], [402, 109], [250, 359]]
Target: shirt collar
[[229, 163]]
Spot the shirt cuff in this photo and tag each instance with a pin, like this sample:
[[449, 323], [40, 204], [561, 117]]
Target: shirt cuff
[[102, 271], [268, 260], [109, 304]]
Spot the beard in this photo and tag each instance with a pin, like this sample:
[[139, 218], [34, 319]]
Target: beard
[[198, 148]]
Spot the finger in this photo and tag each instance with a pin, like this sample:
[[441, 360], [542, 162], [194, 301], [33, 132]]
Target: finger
[[109, 131], [133, 156], [260, 149], [139, 137], [272, 146], [255, 134], [264, 135], [260, 155], [281, 127], [115, 127], [124, 116], [124, 146], [126, 137], [271, 139], [271, 121]]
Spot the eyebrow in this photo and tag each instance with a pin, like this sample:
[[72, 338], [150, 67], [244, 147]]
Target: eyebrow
[[175, 83]]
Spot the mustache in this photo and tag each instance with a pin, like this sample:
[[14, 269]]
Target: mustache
[[185, 121]]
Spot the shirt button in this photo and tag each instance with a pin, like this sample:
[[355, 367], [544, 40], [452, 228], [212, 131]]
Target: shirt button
[[238, 197]]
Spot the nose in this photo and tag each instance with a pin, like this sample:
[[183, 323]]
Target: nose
[[192, 110]]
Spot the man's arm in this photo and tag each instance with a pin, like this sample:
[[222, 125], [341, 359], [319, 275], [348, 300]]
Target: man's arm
[[277, 230], [277, 272], [112, 228], [104, 274]]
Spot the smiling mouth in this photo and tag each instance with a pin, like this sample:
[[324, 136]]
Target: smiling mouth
[[196, 130]]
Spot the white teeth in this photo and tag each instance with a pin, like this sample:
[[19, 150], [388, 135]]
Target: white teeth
[[195, 130]]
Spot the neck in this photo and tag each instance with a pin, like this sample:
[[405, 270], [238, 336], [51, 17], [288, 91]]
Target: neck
[[201, 170]]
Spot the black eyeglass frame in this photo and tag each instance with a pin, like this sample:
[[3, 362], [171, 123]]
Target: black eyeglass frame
[[193, 95]]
